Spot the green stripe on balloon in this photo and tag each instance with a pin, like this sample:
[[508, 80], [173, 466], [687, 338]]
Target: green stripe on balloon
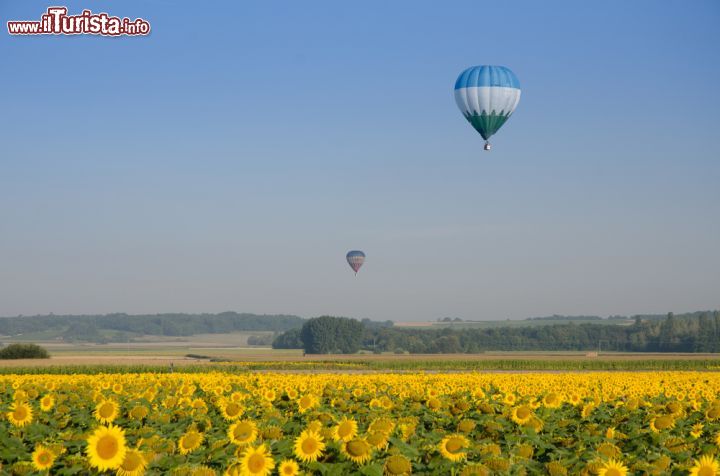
[[487, 124]]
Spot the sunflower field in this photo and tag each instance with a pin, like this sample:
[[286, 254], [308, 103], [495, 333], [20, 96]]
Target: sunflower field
[[608, 424]]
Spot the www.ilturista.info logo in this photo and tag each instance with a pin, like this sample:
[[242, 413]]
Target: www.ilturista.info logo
[[57, 22]]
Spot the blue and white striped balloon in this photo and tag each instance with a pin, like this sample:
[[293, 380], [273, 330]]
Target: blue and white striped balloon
[[487, 96]]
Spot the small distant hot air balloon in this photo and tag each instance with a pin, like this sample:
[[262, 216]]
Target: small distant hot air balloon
[[487, 96], [355, 259]]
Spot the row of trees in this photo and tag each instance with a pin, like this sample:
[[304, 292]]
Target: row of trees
[[89, 327], [696, 332], [330, 335]]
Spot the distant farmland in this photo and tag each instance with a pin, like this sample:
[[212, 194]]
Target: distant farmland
[[510, 323]]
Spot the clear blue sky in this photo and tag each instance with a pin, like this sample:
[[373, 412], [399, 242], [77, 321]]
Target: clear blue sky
[[230, 159]]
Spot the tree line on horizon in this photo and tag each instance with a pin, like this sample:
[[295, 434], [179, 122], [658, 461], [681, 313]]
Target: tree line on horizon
[[692, 332], [90, 327]]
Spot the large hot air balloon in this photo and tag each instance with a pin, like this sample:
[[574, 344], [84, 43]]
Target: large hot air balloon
[[355, 259], [487, 96]]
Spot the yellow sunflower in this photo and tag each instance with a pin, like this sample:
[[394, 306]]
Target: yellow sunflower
[[575, 399], [231, 410], [464, 426], [552, 400], [713, 413], [42, 458], [705, 466], [269, 395], [345, 430], [306, 402], [453, 447], [675, 408], [106, 447], [47, 402], [203, 470], [521, 415], [308, 446], [20, 414], [199, 405], [383, 424], [662, 422], [536, 424], [133, 464], [256, 462], [106, 411], [357, 450], [556, 468], [433, 403], [475, 469], [190, 441], [510, 399], [377, 439], [139, 412], [243, 432], [613, 468], [525, 451], [232, 470], [288, 467], [587, 410], [397, 465]]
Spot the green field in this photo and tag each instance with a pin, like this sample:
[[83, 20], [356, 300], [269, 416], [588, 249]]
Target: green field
[[509, 323]]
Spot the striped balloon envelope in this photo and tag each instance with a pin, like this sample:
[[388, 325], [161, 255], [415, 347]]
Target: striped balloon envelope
[[355, 259], [487, 96]]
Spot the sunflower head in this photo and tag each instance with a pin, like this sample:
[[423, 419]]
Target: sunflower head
[[190, 441], [306, 402], [243, 432], [345, 430], [357, 450], [609, 450], [525, 451], [203, 470], [556, 468], [133, 464], [433, 403], [106, 411], [256, 461], [662, 422], [288, 467], [397, 465], [713, 413], [613, 467], [454, 447], [43, 458], [47, 402], [475, 469], [309, 446], [521, 414], [272, 432], [587, 410], [106, 448], [466, 426], [552, 400], [231, 410], [20, 414], [377, 439], [707, 465], [499, 465]]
